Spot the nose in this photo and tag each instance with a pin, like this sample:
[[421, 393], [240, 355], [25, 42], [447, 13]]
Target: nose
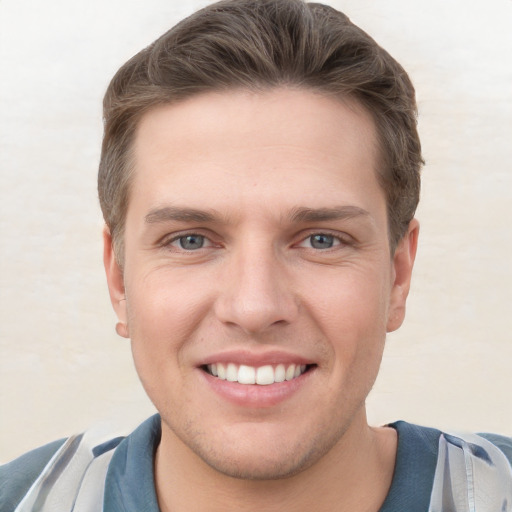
[[257, 293]]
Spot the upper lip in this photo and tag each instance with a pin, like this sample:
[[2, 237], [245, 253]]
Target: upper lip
[[251, 358]]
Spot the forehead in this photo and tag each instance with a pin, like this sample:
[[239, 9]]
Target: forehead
[[270, 149]]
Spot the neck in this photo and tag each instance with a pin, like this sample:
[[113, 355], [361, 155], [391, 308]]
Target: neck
[[355, 475]]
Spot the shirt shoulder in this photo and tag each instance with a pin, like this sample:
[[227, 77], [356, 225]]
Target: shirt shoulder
[[504, 443], [415, 465], [418, 458], [75, 470], [17, 477]]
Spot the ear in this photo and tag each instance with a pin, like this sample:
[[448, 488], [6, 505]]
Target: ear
[[403, 261], [115, 283]]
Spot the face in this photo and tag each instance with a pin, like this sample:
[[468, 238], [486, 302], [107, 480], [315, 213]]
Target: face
[[258, 283]]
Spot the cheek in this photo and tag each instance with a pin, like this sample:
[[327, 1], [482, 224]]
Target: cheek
[[357, 299], [351, 311], [164, 313], [165, 303]]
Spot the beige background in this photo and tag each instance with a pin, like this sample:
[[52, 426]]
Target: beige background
[[63, 369]]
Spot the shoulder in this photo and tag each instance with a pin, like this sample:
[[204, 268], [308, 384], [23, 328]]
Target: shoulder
[[429, 438], [412, 437], [74, 471], [486, 447], [473, 471], [17, 476], [59, 474], [504, 443], [433, 466]]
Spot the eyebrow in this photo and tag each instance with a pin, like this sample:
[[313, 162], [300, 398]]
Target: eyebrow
[[325, 214], [170, 213], [299, 214]]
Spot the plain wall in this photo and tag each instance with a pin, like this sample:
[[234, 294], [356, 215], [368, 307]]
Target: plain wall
[[62, 367]]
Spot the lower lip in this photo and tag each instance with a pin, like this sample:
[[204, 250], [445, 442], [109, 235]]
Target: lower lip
[[254, 395]]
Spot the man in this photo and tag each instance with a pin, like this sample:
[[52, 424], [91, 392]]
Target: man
[[259, 178]]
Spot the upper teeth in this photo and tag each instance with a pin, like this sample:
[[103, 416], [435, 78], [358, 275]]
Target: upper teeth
[[263, 375]]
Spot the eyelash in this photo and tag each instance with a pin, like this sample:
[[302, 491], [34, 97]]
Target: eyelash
[[337, 239]]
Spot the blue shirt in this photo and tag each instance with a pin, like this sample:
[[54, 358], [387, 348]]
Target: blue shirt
[[130, 477]]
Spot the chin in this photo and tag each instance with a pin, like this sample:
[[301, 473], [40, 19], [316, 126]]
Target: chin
[[260, 455], [258, 468]]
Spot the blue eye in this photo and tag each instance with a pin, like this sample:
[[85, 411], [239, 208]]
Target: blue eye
[[321, 241], [191, 242]]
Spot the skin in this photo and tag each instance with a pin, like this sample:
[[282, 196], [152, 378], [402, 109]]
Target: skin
[[271, 170]]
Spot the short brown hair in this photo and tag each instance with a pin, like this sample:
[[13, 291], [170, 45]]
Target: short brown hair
[[257, 45]]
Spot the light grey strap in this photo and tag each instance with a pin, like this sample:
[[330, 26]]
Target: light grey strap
[[472, 475], [92, 489], [73, 480]]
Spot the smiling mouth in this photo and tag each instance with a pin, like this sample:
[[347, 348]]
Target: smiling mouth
[[262, 375]]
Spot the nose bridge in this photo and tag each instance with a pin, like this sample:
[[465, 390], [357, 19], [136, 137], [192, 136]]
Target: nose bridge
[[258, 292]]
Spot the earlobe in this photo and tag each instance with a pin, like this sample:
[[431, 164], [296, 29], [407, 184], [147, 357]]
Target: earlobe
[[115, 281], [403, 262]]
